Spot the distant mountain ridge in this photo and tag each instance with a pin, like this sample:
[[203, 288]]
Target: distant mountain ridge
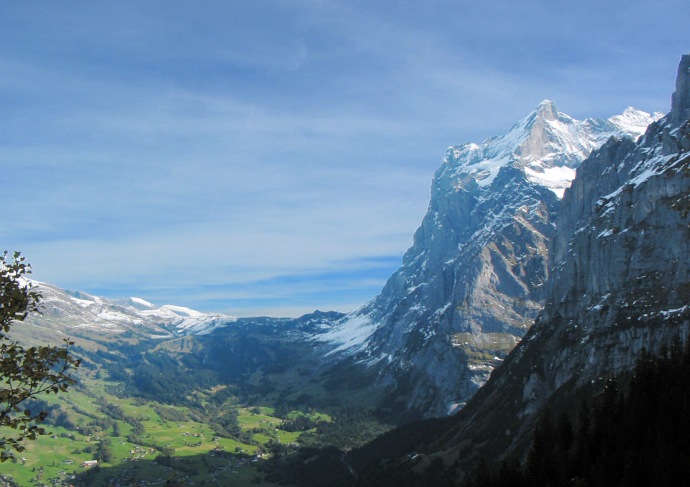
[[73, 311], [471, 284]]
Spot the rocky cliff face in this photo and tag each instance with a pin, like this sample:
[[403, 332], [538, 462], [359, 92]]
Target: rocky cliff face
[[472, 283], [620, 259], [620, 281]]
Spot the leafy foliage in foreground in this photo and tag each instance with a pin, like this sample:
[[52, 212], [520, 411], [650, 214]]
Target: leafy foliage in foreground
[[25, 372], [641, 438]]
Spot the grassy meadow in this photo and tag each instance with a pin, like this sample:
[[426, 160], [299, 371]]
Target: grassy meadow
[[147, 443]]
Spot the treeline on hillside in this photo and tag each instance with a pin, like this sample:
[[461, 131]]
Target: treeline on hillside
[[639, 438], [155, 375], [316, 462]]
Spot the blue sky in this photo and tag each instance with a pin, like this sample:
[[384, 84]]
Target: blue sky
[[275, 157]]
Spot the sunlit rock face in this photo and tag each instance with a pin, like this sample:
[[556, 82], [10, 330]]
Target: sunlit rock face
[[473, 281]]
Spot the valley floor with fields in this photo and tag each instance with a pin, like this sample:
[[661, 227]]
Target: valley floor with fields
[[142, 442]]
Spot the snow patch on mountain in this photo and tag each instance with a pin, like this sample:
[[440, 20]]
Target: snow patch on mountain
[[557, 179], [142, 302], [351, 337]]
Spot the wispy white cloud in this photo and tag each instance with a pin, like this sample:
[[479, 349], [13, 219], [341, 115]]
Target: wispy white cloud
[[268, 155]]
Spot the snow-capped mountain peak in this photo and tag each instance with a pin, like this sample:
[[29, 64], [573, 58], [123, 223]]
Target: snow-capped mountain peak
[[547, 145], [547, 110], [634, 121]]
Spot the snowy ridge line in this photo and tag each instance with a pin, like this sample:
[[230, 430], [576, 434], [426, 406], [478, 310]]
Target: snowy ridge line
[[81, 310]]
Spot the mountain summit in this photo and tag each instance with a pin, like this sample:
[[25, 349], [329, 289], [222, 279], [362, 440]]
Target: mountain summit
[[471, 284], [680, 100]]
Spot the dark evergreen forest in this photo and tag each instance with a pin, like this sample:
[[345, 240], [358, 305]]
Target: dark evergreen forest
[[633, 436]]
